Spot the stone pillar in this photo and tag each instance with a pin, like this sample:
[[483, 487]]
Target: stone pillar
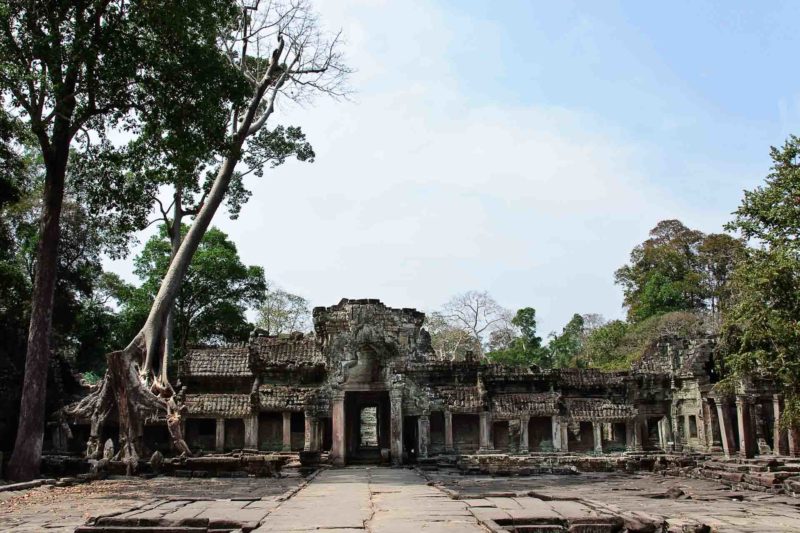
[[793, 440], [251, 431], [709, 415], [448, 432], [665, 434], [633, 435], [337, 445], [564, 436], [485, 426], [396, 423], [424, 435], [220, 440], [725, 428], [556, 434], [311, 441], [287, 431], [597, 429], [524, 423], [780, 442], [746, 448]]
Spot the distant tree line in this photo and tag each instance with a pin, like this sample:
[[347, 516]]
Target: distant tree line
[[742, 287]]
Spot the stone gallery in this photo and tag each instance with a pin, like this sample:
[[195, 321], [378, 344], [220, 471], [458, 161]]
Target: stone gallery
[[367, 387]]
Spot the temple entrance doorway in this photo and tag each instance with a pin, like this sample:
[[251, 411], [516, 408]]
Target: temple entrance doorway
[[367, 425]]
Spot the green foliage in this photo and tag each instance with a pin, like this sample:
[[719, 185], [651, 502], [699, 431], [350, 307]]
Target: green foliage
[[565, 347], [214, 296], [760, 331], [678, 269], [617, 344], [82, 324], [92, 378], [525, 348]]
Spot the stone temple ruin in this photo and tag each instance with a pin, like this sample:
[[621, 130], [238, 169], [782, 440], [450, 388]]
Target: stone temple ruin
[[367, 387]]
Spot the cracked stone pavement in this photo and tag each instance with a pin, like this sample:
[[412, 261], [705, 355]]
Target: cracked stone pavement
[[378, 500]]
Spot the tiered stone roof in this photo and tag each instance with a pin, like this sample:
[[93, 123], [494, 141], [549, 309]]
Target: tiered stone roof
[[286, 352], [536, 404], [221, 362], [281, 397], [223, 405], [459, 398], [599, 409]]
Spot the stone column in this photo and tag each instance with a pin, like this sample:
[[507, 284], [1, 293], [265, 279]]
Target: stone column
[[320, 434], [597, 428], [424, 435], [251, 431], [793, 440], [633, 435], [287, 431], [709, 416], [220, 440], [337, 445], [396, 423], [524, 423], [780, 442], [564, 436], [556, 433], [746, 448], [311, 442], [485, 431], [725, 428], [448, 432]]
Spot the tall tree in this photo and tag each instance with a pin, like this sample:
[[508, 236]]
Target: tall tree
[[760, 328], [718, 255], [565, 347], [524, 347], [477, 313], [280, 51], [663, 274], [449, 341], [213, 299], [68, 67], [283, 312]]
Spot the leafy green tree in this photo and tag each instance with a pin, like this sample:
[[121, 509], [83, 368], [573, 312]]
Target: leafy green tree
[[566, 346], [664, 272], [601, 349], [213, 300], [617, 344], [678, 269], [71, 67], [760, 330], [524, 348]]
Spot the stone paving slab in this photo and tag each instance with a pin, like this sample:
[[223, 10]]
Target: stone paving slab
[[378, 500]]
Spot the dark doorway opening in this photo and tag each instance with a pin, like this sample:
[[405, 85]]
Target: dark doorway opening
[[366, 425]]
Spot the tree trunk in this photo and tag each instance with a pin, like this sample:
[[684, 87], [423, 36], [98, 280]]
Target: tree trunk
[[130, 371], [26, 458], [169, 325]]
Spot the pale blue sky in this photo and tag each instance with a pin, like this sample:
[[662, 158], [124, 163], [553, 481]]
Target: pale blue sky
[[521, 147]]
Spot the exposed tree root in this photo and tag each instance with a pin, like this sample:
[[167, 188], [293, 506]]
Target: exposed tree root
[[134, 399]]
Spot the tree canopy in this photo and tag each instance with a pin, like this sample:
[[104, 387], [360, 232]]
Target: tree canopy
[[760, 329], [213, 300]]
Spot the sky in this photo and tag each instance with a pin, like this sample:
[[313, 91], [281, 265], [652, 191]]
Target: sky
[[522, 148]]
